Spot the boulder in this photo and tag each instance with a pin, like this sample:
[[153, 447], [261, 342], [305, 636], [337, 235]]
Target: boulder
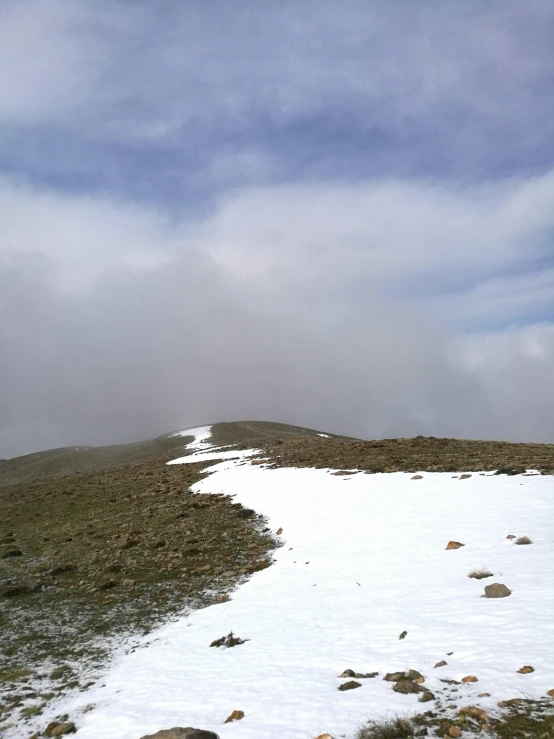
[[497, 590]]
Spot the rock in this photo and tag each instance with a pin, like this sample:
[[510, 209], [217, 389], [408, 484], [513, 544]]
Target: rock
[[224, 598], [442, 663], [180, 733], [417, 477], [279, 531], [484, 695], [497, 590], [407, 686], [234, 716], [365, 674], [470, 679], [511, 703], [511, 536], [61, 729], [394, 677], [526, 669], [324, 736], [350, 685], [403, 635], [415, 675], [426, 697], [550, 693], [454, 545], [108, 585], [348, 673], [510, 471], [228, 641], [473, 711], [465, 476], [454, 731], [127, 583]]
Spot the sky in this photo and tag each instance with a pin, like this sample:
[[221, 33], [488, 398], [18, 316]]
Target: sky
[[335, 215]]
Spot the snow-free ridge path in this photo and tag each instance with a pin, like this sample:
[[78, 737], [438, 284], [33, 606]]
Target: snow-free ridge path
[[363, 559]]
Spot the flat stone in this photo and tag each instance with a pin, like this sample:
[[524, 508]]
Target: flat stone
[[454, 545], [350, 685], [179, 733]]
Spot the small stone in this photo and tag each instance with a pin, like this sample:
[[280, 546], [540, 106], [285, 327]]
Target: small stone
[[550, 693], [394, 677], [454, 731], [62, 729], [465, 476], [526, 669], [403, 635], [234, 716], [473, 711], [407, 686], [350, 685], [179, 733], [366, 674], [511, 536], [484, 695], [454, 545], [279, 531], [229, 573], [511, 703], [224, 598], [497, 590], [417, 477], [426, 697], [324, 736], [470, 679], [348, 673], [442, 663], [127, 583], [415, 675]]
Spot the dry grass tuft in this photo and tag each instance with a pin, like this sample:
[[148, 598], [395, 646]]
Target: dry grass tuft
[[396, 728], [480, 574], [523, 540]]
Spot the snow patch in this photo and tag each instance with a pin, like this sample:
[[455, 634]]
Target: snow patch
[[364, 559]]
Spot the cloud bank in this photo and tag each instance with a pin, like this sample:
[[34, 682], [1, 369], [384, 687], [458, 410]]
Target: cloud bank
[[336, 217]]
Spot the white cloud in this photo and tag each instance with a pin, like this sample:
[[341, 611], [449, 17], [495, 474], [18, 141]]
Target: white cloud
[[49, 60], [121, 323]]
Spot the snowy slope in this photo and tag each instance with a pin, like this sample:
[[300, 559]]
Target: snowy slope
[[363, 559]]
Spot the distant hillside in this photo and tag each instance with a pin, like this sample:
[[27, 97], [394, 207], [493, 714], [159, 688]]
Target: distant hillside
[[74, 459]]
